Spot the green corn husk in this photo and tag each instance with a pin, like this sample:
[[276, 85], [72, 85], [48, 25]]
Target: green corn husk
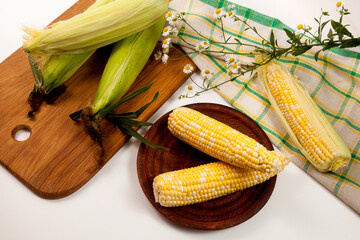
[[96, 27], [304, 121], [51, 72], [50, 78], [57, 70], [126, 61], [127, 58]]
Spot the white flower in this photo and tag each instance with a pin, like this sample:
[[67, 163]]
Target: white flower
[[166, 31], [166, 50], [231, 7], [206, 74], [339, 6], [202, 46], [219, 13], [165, 58], [158, 55], [173, 21], [166, 43], [231, 15], [235, 68], [169, 15], [175, 31], [231, 60], [205, 44], [188, 68], [199, 48], [172, 18]]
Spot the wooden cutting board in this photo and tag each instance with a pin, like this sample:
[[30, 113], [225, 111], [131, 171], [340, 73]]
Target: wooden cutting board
[[59, 157]]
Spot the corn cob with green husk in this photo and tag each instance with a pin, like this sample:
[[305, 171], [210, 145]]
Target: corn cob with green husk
[[223, 142], [306, 124], [239, 155], [127, 59], [50, 72], [49, 79], [96, 27]]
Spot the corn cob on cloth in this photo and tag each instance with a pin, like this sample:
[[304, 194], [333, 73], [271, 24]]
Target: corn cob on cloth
[[333, 81]]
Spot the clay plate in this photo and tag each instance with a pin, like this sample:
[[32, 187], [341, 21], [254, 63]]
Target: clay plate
[[216, 214]]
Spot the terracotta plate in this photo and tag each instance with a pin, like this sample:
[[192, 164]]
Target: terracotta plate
[[220, 213]]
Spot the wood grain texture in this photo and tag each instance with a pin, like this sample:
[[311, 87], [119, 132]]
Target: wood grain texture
[[59, 157], [216, 214]]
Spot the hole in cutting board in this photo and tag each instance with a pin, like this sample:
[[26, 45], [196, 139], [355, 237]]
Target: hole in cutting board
[[21, 133]]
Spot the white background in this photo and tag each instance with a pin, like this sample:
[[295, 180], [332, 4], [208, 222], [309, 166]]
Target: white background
[[112, 204]]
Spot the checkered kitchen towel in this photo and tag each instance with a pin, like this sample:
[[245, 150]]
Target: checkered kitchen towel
[[333, 81]]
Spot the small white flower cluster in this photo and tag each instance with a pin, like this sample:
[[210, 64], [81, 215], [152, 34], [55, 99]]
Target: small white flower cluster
[[220, 13], [194, 88], [173, 18], [233, 65], [202, 46], [163, 54], [206, 74], [171, 29]]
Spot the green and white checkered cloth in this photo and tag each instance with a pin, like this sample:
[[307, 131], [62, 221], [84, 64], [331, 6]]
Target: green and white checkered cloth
[[333, 81]]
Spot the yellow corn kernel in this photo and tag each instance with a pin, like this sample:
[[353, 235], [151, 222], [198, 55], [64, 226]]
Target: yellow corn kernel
[[203, 183], [223, 142], [306, 124]]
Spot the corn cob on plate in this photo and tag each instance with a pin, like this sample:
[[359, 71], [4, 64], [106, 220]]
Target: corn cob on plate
[[219, 213]]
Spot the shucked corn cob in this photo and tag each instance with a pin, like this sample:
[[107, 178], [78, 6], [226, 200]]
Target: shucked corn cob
[[223, 142], [96, 27], [205, 182], [306, 124], [213, 180]]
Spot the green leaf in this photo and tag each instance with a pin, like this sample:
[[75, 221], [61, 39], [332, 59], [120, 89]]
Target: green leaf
[[300, 50], [143, 108], [317, 55], [330, 45], [349, 43], [272, 38], [238, 41], [324, 24], [75, 116], [280, 52], [129, 122], [125, 121], [289, 33], [35, 70], [124, 99], [227, 39], [130, 131], [131, 115], [330, 35], [340, 29]]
